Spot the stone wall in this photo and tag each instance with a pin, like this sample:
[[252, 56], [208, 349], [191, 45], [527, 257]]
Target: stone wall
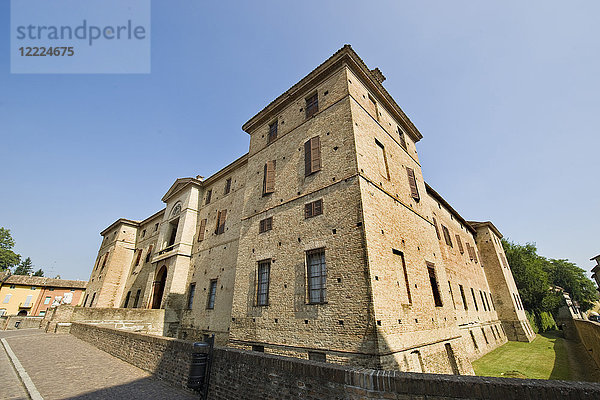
[[237, 374], [140, 320], [10, 322], [589, 334]]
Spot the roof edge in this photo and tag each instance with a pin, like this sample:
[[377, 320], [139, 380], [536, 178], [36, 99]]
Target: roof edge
[[124, 221], [439, 197], [476, 224]]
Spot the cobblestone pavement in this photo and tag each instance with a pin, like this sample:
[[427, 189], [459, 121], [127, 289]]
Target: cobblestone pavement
[[10, 384], [64, 367]]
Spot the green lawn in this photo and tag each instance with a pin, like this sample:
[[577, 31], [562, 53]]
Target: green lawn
[[544, 358]]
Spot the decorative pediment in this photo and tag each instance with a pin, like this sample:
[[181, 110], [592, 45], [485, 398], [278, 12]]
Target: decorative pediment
[[179, 185]]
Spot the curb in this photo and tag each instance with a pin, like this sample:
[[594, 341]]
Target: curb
[[25, 379]]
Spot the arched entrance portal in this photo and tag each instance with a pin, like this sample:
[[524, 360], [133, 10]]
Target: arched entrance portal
[[22, 313], [159, 287]]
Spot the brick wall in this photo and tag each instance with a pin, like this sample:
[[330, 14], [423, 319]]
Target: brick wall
[[250, 375], [589, 334]]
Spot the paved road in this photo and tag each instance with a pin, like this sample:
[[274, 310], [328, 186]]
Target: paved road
[[64, 367]]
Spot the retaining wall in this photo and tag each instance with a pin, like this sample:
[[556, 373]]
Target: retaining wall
[[239, 374], [589, 334]]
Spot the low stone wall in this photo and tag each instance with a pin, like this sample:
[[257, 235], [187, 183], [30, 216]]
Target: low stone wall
[[589, 334], [167, 358], [239, 374], [138, 320], [15, 322]]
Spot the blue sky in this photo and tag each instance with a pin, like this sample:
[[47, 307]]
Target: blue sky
[[506, 95]]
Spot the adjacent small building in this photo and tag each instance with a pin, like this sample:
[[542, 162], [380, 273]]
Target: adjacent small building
[[32, 295], [596, 270]]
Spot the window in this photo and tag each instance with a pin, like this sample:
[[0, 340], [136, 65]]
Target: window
[[474, 341], [317, 276], [2, 311], [451, 295], [484, 336], [374, 107], [137, 298], [201, 230], [84, 301], [7, 298], [312, 105], [173, 225], [401, 138], [313, 209], [127, 299], [265, 225], [41, 313], [208, 196], [212, 292], [28, 301], [149, 254], [482, 301], [401, 254], [459, 242], [492, 301], [437, 298], [317, 356], [191, 295], [220, 227], [138, 257], [464, 298], [47, 300], [227, 186], [144, 233], [51, 289], [104, 262], [312, 156], [258, 348], [382, 160], [155, 227], [262, 287], [93, 297], [447, 236], [474, 299], [412, 182], [12, 286], [34, 288], [272, 132], [269, 178]]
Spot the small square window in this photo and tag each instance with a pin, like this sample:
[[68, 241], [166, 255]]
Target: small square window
[[265, 225], [317, 356], [313, 209]]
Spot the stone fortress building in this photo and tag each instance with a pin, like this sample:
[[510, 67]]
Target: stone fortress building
[[322, 242]]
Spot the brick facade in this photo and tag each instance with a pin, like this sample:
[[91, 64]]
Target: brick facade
[[362, 262]]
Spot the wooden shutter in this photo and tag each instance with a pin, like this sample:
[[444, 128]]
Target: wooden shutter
[[317, 207], [201, 230], [223, 216], [269, 178], [412, 182], [308, 210], [437, 231], [460, 246], [315, 154], [447, 236], [218, 222], [307, 158]]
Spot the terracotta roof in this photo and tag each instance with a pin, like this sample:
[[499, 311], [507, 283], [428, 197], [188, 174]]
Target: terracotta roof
[[43, 281]]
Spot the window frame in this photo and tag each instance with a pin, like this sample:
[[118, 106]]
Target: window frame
[[321, 275], [311, 210], [212, 294], [262, 286], [273, 131], [265, 225], [311, 105]]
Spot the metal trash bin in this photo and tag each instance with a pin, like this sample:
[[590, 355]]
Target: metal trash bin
[[198, 366]]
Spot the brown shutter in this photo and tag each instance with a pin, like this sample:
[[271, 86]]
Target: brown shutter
[[307, 158], [318, 207], [308, 210], [222, 221], [437, 231], [460, 246], [315, 154], [269, 181], [412, 182], [201, 230]]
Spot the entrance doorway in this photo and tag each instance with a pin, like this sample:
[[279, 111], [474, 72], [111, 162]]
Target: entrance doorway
[[159, 287]]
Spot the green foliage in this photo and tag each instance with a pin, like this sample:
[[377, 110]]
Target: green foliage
[[25, 268], [532, 321], [39, 272], [536, 275], [8, 258], [546, 322]]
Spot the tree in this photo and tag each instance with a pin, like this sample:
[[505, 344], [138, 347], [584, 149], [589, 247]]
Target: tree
[[570, 277], [8, 258], [25, 268], [39, 272]]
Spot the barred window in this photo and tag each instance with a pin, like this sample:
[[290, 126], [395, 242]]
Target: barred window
[[212, 291], [317, 276], [262, 288]]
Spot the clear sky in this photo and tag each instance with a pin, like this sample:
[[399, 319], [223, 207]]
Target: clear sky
[[505, 93]]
